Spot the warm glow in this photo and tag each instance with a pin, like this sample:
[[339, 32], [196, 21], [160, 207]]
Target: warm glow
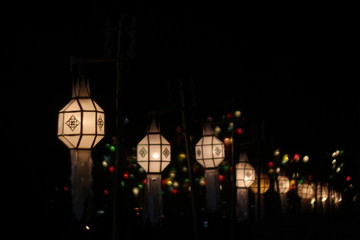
[[81, 123], [209, 149], [153, 151], [277, 152], [264, 184], [284, 184], [306, 191], [237, 113], [245, 172]]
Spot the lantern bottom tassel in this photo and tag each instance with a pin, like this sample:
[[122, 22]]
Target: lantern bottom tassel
[[81, 180], [154, 204]]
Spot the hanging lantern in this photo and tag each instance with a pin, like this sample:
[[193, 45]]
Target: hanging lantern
[[210, 153], [322, 195], [245, 176], [81, 125], [153, 155], [282, 186], [209, 149], [264, 184], [245, 172], [259, 188], [306, 191]]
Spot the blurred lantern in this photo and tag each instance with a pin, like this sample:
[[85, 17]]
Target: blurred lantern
[[81, 125], [322, 195], [245, 176], [153, 155], [282, 186], [259, 188], [306, 192], [210, 153]]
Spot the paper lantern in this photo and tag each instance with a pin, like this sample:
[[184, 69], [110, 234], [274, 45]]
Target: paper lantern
[[284, 184], [264, 184], [210, 153], [153, 151], [81, 125], [245, 176], [153, 155], [245, 172], [209, 149], [306, 191], [282, 187]]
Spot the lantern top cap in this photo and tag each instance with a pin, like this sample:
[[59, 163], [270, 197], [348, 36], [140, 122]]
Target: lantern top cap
[[81, 88], [207, 130], [153, 127], [243, 157]]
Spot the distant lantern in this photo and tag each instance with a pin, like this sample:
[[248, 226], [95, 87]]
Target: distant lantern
[[81, 125], [245, 176], [153, 155], [282, 186], [322, 194], [209, 149], [210, 153], [306, 192], [259, 188], [245, 172]]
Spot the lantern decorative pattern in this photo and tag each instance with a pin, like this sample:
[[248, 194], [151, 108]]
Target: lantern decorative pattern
[[245, 172], [210, 153], [245, 176], [209, 150], [81, 125], [153, 155]]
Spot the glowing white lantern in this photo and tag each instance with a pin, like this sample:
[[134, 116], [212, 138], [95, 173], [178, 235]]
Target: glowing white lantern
[[81, 125], [209, 149], [153, 151], [245, 176], [153, 155], [282, 186], [210, 153], [306, 192], [245, 172]]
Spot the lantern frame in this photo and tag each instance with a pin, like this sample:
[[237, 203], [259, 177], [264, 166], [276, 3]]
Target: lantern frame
[[210, 151], [81, 123], [153, 151], [245, 172], [264, 184]]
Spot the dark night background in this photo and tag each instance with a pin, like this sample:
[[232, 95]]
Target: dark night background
[[292, 68]]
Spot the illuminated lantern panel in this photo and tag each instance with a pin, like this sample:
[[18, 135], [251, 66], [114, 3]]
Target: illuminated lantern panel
[[153, 151], [264, 184], [209, 150], [81, 123], [284, 184], [245, 172], [306, 191], [322, 192]]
